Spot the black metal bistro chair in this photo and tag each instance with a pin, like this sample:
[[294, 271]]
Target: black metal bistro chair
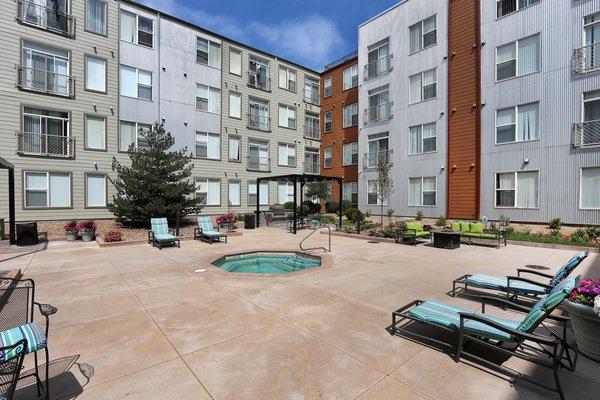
[[17, 307], [11, 361]]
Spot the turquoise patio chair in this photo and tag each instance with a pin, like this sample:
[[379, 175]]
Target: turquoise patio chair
[[207, 232], [160, 234]]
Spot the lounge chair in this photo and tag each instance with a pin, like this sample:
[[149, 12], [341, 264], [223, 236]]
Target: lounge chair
[[160, 234], [470, 231], [412, 232], [518, 285], [11, 361], [206, 232], [510, 337]]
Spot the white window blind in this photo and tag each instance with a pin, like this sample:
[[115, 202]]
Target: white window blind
[[128, 26], [95, 16], [128, 81], [590, 188], [234, 193], [527, 189], [95, 133], [285, 192], [234, 149], [95, 74], [235, 61], [95, 186], [235, 105]]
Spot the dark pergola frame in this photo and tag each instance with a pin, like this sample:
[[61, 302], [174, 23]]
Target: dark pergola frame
[[302, 179], [11, 199]]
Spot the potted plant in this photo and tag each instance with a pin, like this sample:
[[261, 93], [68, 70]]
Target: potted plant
[[584, 309], [227, 221], [114, 235], [72, 230], [87, 230]]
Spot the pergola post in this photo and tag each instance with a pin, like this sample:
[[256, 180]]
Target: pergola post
[[341, 185], [295, 228], [301, 198], [257, 202]]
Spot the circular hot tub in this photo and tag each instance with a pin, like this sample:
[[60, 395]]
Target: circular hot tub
[[263, 262]]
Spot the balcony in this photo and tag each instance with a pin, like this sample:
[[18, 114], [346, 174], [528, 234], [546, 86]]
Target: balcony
[[312, 132], [44, 145], [379, 113], [371, 160], [312, 98], [312, 167], [259, 122], [259, 82], [259, 164], [586, 134], [43, 81], [378, 67], [586, 59], [31, 13]]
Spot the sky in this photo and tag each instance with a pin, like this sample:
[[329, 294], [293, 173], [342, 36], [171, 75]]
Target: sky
[[309, 32]]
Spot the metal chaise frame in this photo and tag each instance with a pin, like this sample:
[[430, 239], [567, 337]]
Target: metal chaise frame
[[11, 368], [461, 286], [159, 243]]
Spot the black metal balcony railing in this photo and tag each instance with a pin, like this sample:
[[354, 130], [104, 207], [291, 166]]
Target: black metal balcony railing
[[586, 134], [371, 160], [257, 81], [312, 132], [259, 122], [45, 81], [378, 113], [378, 67], [312, 167], [45, 17], [312, 97], [586, 59], [41, 144], [260, 164]]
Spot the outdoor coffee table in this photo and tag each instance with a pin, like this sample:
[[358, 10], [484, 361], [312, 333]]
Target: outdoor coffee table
[[446, 239]]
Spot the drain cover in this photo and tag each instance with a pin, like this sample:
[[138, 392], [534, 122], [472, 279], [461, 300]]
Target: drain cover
[[540, 267]]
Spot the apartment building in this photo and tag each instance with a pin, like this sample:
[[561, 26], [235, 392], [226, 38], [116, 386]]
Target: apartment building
[[59, 97], [339, 112]]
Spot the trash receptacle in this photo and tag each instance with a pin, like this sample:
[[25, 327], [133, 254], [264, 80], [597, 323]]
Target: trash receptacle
[[27, 234], [249, 221]]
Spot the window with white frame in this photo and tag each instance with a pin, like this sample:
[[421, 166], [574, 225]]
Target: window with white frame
[[132, 134], [208, 99], [235, 148], [95, 190], [95, 132], [351, 77], [208, 52], [287, 78], [47, 189], [95, 74], [505, 7], [208, 145], [208, 191], [328, 121], [312, 126], [379, 59], [350, 153], [95, 16], [372, 196], [518, 58], [136, 29], [518, 124], [423, 86], [287, 116], [285, 192], [235, 105], [422, 139], [378, 146], [311, 90], [264, 193], [590, 188], [327, 157], [351, 115], [422, 191], [135, 82], [517, 189], [45, 68], [234, 192], [328, 86], [287, 155], [235, 61], [423, 34], [351, 192]]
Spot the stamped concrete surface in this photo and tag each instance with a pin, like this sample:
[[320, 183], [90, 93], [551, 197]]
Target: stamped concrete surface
[[135, 322]]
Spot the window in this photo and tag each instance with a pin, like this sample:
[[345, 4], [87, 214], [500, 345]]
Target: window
[[47, 189], [258, 74], [95, 16], [327, 157], [350, 151], [311, 161], [95, 190], [423, 86], [287, 155], [258, 117], [264, 193], [45, 132], [234, 194], [208, 53], [377, 144], [372, 196], [504, 7], [422, 139], [327, 86], [517, 189], [423, 34], [287, 78], [95, 74], [328, 121], [311, 91], [351, 192], [379, 105], [136, 29], [235, 61], [208, 191], [518, 58], [590, 188], [235, 105], [312, 128], [235, 148], [351, 115], [208, 99], [422, 191], [45, 69], [135, 82], [378, 59], [132, 134], [95, 132], [287, 116], [518, 124], [258, 155], [351, 77], [285, 192], [208, 145]]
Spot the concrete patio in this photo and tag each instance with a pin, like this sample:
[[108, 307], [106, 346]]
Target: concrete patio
[[153, 328]]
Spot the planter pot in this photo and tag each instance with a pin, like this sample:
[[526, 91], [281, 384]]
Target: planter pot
[[586, 325], [71, 235], [87, 236]]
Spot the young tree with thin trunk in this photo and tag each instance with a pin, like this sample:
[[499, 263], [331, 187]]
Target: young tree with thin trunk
[[384, 185]]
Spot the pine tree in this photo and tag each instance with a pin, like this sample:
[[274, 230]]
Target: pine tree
[[157, 184]]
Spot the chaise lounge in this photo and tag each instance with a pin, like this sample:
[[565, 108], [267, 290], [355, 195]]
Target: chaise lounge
[[160, 234], [206, 232]]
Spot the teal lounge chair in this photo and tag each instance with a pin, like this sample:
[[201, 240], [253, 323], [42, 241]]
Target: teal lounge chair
[[206, 232], [510, 337], [160, 234], [518, 285]]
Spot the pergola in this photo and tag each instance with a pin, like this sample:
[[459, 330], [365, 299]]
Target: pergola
[[302, 179], [11, 198]]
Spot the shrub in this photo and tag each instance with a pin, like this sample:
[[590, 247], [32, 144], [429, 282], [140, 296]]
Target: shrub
[[114, 235], [302, 209], [88, 226], [226, 218], [555, 223], [441, 221], [313, 207], [72, 226], [419, 216], [579, 238], [334, 206], [326, 219], [592, 233], [288, 205], [354, 215], [278, 207], [504, 221]]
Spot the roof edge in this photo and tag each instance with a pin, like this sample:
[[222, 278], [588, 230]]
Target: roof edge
[[382, 13]]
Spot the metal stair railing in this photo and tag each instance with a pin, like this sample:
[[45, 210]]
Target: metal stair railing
[[317, 227]]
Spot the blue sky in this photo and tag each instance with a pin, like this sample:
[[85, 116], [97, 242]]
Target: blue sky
[[309, 32]]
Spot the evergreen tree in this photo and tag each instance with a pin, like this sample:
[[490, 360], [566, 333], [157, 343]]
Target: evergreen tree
[[157, 184]]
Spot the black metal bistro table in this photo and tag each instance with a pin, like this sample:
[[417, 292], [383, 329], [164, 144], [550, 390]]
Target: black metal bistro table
[[446, 239]]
